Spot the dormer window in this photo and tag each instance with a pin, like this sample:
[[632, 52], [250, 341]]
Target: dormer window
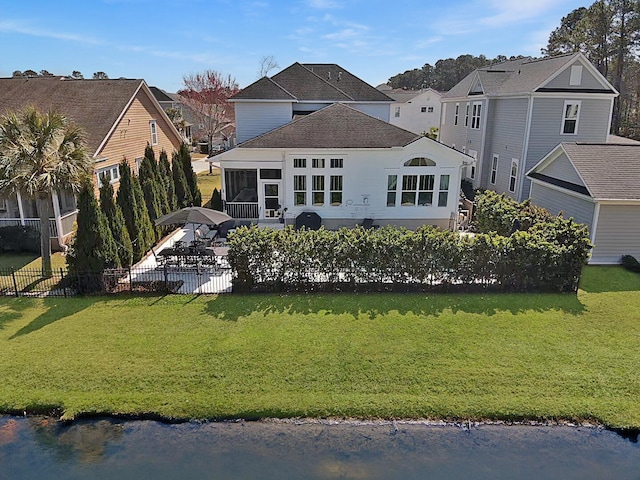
[[420, 162]]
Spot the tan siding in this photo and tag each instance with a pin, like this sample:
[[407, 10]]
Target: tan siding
[[617, 233]]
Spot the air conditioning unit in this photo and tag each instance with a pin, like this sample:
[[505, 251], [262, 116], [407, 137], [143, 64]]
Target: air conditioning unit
[[270, 213]]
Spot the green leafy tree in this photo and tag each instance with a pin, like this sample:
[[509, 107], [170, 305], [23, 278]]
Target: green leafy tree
[[41, 153], [131, 200], [115, 219], [94, 248], [183, 193]]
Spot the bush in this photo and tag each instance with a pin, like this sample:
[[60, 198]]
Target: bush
[[630, 263], [18, 238], [498, 213]]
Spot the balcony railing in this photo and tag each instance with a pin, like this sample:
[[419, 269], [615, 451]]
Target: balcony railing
[[67, 220], [243, 210]]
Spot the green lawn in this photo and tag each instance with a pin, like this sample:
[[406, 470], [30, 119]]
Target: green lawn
[[207, 182], [474, 356]]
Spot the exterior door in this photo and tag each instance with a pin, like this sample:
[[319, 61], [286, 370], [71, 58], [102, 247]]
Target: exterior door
[[272, 200]]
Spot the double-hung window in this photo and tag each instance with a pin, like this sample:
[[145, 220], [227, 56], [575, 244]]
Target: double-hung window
[[443, 191], [417, 188], [494, 168], [570, 117], [476, 112], [154, 132], [392, 188], [299, 189], [317, 185], [466, 115], [335, 190], [513, 175], [456, 114]]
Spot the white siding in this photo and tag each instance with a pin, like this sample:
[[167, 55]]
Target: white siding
[[377, 110], [617, 233], [253, 119], [562, 169], [556, 201]]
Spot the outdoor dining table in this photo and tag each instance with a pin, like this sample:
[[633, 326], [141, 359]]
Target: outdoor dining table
[[193, 256]]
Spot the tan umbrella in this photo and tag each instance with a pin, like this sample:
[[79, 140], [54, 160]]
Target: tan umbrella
[[196, 215]]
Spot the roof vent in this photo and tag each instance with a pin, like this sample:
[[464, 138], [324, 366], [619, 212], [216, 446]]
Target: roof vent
[[328, 75], [339, 76]]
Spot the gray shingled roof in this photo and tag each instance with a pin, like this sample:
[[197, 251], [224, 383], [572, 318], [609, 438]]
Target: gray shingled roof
[[160, 95], [610, 171], [95, 105], [516, 76], [312, 82], [336, 126]]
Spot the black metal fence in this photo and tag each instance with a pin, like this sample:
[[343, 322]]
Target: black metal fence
[[138, 280]]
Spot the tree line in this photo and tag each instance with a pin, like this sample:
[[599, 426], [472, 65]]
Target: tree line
[[46, 73], [608, 34]]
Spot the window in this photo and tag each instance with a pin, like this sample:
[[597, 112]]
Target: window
[[570, 118], [397, 114], [299, 190], [420, 162], [466, 115], [317, 163], [494, 168], [443, 194], [392, 187], [154, 132], [476, 110], [317, 189], [270, 173], [337, 162], [417, 188], [138, 164], [455, 115], [299, 163], [513, 176], [111, 174], [424, 109], [335, 190], [430, 110], [4, 204], [576, 75]]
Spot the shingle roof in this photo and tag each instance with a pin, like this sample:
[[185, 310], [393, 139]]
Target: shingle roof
[[312, 82], [403, 95], [610, 171], [336, 126], [95, 105], [161, 95], [515, 76]]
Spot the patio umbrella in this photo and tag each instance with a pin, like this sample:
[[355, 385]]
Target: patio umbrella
[[199, 215]]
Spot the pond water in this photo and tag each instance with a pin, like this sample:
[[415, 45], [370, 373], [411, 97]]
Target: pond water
[[38, 447]]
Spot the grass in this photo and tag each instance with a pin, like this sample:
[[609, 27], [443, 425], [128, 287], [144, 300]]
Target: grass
[[207, 182], [552, 356], [29, 261]]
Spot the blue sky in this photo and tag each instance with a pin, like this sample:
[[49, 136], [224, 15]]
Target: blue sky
[[162, 40]]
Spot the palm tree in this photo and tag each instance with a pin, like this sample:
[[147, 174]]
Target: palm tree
[[41, 153]]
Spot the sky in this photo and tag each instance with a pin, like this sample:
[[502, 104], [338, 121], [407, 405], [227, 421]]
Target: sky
[[163, 40]]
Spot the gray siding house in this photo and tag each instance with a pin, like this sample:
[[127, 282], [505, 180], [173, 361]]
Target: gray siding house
[[510, 115], [598, 185], [299, 90]]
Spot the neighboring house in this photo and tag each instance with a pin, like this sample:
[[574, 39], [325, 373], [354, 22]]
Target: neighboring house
[[171, 101], [299, 90], [510, 115], [120, 117], [345, 166], [598, 185], [415, 110]]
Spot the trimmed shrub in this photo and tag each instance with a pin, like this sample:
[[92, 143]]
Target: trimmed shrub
[[19, 238]]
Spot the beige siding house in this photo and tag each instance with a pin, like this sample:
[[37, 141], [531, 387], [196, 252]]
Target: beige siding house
[[119, 117]]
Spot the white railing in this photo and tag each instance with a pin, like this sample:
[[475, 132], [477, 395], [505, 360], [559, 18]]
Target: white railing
[[243, 210], [30, 222]]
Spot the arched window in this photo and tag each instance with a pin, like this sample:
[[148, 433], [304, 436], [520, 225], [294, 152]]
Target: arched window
[[420, 162]]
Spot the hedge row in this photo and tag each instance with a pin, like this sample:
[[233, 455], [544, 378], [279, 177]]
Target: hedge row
[[547, 257], [19, 238]]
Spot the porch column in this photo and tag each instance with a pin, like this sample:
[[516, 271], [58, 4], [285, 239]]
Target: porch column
[[20, 209], [56, 215]]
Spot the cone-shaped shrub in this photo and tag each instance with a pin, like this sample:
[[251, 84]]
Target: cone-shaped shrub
[[189, 175], [183, 194], [116, 222]]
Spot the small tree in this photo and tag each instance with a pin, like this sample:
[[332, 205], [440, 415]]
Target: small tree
[[183, 194], [166, 180], [93, 249], [207, 94], [151, 188], [216, 200], [115, 219]]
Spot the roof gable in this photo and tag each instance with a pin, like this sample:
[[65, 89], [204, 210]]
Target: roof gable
[[336, 126], [95, 105], [304, 84], [608, 171]]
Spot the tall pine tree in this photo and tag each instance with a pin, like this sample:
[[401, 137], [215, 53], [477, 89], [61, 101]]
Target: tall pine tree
[[189, 174], [152, 191], [116, 222], [183, 193], [93, 249], [131, 200], [166, 178]]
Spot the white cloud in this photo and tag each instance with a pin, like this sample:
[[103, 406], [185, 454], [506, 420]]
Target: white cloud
[[15, 27]]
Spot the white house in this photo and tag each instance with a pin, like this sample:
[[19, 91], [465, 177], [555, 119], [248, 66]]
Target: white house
[[597, 185], [415, 110], [344, 165]]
